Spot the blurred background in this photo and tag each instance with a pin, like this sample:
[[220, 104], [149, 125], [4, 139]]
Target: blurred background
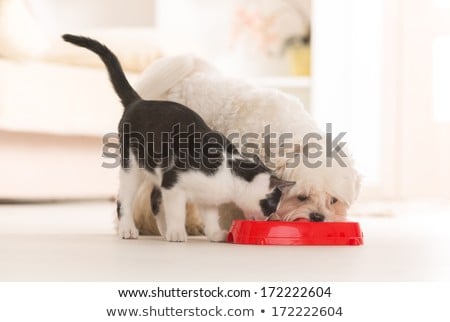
[[377, 69]]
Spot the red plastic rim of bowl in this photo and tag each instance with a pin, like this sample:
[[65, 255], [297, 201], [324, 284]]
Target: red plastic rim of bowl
[[295, 233]]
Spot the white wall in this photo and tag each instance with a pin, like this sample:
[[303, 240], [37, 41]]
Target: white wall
[[425, 138], [59, 16]]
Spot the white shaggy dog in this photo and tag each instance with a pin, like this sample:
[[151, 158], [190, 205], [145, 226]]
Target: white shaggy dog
[[323, 192]]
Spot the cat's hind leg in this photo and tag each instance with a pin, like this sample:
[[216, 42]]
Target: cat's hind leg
[[130, 180]]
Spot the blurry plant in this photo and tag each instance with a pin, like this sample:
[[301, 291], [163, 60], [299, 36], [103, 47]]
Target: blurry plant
[[257, 26], [297, 46], [297, 40], [300, 39], [253, 27]]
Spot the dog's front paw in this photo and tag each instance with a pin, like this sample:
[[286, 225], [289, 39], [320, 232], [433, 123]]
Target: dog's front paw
[[217, 236], [176, 235], [128, 231]]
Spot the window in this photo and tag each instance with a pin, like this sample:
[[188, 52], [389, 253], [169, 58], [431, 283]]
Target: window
[[441, 79]]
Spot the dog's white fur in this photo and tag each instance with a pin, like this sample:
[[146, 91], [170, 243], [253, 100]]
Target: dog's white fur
[[231, 105]]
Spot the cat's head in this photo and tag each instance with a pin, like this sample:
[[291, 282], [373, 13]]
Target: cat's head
[[258, 190]]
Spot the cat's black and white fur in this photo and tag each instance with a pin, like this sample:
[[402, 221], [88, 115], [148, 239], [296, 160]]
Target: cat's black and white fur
[[171, 145]]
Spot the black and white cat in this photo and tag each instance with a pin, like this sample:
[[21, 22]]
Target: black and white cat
[[172, 146]]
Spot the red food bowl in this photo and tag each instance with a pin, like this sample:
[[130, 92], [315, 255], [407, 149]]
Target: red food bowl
[[295, 233]]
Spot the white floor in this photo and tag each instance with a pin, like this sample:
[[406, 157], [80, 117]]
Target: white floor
[[76, 242]]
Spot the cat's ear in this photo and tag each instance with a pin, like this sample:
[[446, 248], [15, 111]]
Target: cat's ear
[[256, 158], [281, 184]]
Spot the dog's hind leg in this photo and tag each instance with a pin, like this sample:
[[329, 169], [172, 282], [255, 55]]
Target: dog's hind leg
[[158, 209]]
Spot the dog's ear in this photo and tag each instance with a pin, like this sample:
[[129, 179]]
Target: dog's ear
[[281, 184], [280, 166], [288, 153]]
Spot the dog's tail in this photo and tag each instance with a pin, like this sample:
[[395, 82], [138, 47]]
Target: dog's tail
[[120, 83], [166, 72]]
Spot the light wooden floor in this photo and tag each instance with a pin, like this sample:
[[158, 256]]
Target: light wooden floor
[[76, 242]]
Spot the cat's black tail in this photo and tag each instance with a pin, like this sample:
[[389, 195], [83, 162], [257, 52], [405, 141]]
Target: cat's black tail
[[120, 83]]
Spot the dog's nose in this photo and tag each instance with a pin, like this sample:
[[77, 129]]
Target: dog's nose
[[315, 216]]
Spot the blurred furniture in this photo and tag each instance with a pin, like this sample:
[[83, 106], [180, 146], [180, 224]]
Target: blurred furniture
[[56, 102]]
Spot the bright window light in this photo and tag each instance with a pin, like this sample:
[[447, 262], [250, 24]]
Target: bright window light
[[365, 94], [441, 79], [441, 4]]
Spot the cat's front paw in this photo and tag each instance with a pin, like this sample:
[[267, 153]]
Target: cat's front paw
[[174, 235], [128, 231], [217, 236]]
